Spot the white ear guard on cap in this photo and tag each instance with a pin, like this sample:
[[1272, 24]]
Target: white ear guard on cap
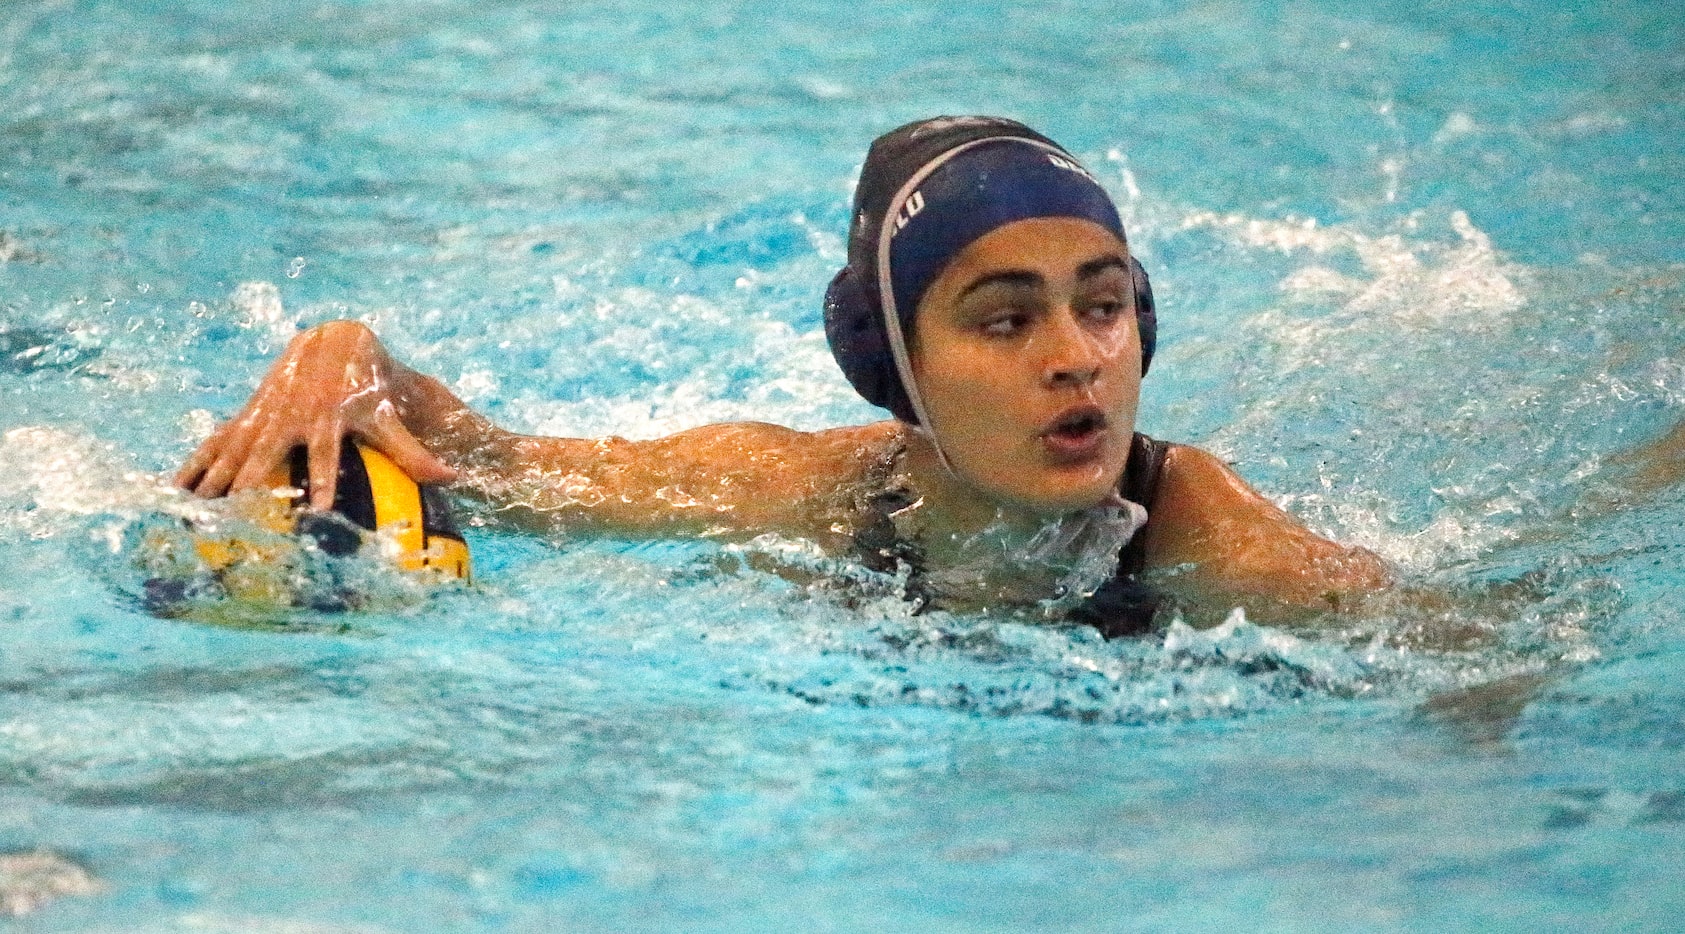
[[1025, 178]]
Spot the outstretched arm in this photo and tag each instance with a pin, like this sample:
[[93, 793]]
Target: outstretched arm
[[337, 380], [735, 480], [1239, 544]]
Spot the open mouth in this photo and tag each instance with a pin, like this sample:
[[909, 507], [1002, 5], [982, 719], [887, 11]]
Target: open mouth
[[1078, 423], [1077, 434]]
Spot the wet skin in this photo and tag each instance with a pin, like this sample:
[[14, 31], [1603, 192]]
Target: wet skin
[[1027, 356], [1025, 350]]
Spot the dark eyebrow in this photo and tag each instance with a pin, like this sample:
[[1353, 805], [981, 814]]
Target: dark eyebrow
[[1025, 279], [1014, 277], [1094, 267]]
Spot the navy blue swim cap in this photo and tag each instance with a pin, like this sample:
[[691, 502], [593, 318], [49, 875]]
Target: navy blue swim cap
[[927, 191]]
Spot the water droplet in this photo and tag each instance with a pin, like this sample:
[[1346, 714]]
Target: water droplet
[[295, 268]]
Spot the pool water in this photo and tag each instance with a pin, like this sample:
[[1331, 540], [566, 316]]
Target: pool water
[[1421, 273]]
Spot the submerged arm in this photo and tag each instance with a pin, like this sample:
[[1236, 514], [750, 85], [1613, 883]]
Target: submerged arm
[[1656, 465]]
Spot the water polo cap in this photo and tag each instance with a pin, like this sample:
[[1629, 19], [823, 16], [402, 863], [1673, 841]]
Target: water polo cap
[[927, 191]]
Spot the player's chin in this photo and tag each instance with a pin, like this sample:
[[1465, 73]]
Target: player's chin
[[1066, 489]]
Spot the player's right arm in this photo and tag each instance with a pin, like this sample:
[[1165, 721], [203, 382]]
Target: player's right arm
[[337, 380]]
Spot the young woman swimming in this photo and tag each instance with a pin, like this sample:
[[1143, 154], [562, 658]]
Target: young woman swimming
[[991, 303]]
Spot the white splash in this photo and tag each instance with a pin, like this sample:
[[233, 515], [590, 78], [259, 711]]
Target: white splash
[[29, 881], [1239, 642], [260, 302], [60, 472], [212, 923], [1456, 126], [477, 384], [1416, 284], [800, 387]]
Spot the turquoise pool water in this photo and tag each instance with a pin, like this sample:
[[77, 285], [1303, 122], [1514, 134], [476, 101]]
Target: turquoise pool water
[[1421, 278]]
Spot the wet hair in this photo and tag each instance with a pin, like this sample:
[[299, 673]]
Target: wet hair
[[927, 191]]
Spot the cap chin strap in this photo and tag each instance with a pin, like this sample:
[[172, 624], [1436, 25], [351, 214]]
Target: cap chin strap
[[886, 286]]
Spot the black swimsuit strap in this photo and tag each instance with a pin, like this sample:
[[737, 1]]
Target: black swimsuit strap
[[1123, 606], [1140, 485]]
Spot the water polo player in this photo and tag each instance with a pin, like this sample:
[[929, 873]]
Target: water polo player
[[991, 303]]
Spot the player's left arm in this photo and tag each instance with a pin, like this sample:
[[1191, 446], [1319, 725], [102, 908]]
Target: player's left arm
[[1234, 542]]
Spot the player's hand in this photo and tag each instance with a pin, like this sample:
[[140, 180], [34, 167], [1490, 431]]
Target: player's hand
[[332, 381]]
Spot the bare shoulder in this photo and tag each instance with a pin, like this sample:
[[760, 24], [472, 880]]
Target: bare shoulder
[[1207, 518]]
